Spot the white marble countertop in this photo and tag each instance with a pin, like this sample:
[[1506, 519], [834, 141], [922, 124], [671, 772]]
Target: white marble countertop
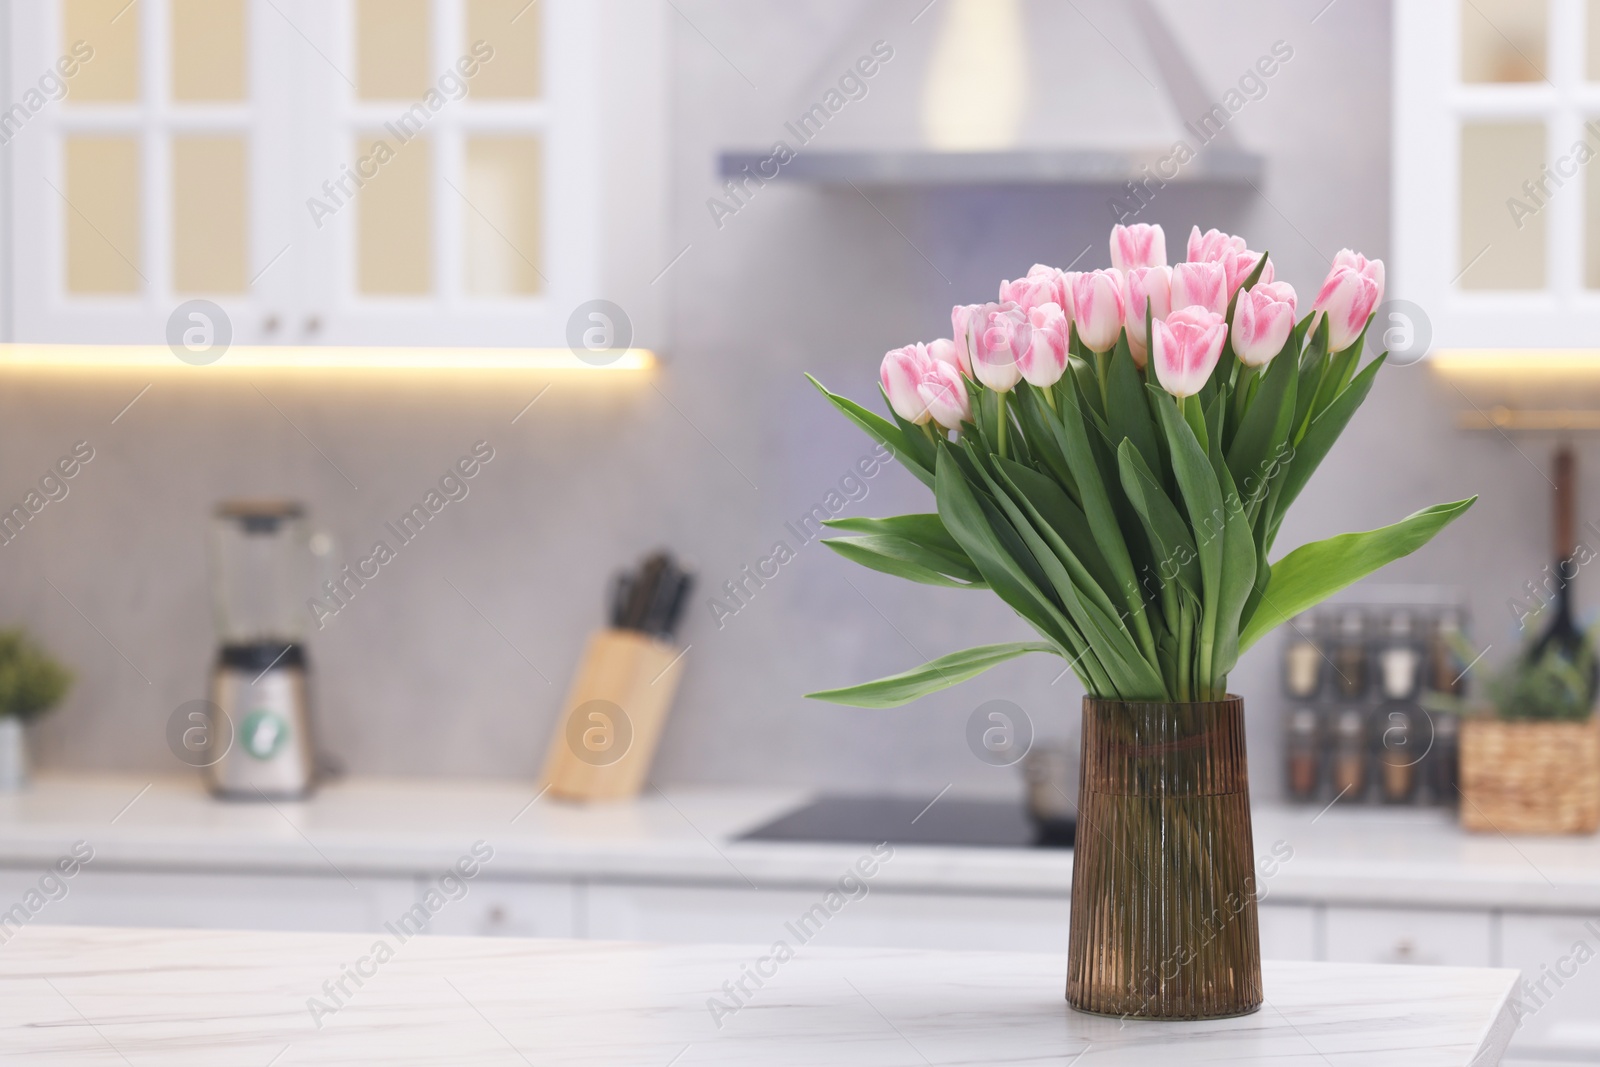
[[110, 996], [374, 826]]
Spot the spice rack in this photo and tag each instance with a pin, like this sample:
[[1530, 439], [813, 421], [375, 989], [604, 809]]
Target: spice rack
[[1365, 687]]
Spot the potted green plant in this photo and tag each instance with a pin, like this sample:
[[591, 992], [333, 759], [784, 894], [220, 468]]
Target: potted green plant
[[1531, 765], [31, 683], [1112, 453]]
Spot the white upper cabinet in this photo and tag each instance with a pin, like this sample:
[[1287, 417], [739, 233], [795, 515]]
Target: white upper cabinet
[[1496, 213], [385, 172]]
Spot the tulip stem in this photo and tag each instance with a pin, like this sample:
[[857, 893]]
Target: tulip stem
[[1049, 396], [1000, 433]]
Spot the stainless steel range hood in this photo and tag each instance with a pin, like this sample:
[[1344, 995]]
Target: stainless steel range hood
[[996, 92]]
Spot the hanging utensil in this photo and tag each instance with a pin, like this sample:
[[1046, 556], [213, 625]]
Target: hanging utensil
[[1562, 634]]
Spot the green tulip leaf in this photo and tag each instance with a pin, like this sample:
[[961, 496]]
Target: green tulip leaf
[[1312, 573], [880, 429], [937, 674]]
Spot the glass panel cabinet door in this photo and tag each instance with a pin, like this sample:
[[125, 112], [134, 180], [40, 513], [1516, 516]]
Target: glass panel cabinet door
[[139, 181], [331, 171], [1496, 210]]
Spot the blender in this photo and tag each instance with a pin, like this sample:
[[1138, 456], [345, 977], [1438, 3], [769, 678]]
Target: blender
[[261, 568]]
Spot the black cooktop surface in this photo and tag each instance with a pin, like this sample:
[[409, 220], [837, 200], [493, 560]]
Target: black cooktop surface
[[869, 820]]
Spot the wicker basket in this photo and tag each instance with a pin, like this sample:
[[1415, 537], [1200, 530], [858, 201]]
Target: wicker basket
[[1530, 777]]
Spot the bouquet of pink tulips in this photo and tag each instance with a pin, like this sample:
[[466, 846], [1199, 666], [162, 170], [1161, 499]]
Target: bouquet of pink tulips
[[1112, 453]]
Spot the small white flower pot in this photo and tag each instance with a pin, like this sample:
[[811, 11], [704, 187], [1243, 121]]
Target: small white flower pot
[[13, 755]]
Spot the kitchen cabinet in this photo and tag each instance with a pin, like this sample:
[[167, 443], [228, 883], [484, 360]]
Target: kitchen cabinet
[[495, 908], [1290, 932], [1405, 935], [202, 899], [485, 171], [880, 919], [1559, 956]]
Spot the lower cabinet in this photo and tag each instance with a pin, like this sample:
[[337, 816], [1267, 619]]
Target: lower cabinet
[[879, 919], [1289, 932], [1559, 957], [507, 909], [1407, 935], [98, 897]]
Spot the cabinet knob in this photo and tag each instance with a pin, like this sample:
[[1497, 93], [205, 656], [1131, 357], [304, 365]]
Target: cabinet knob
[[1405, 949], [269, 325], [497, 916]]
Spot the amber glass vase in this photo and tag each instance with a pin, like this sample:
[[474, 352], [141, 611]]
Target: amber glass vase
[[1163, 884]]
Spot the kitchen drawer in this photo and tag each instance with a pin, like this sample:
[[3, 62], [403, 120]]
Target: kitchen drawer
[[1403, 935], [98, 897], [878, 920], [507, 909], [1559, 956], [1288, 931]]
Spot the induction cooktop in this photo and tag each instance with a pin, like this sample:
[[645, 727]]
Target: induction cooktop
[[869, 820]]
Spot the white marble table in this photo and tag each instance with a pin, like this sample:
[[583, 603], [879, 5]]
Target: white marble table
[[84, 996]]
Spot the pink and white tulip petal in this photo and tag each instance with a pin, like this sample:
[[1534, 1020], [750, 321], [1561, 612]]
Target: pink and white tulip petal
[[1046, 357], [1202, 284], [965, 321], [1263, 318], [1236, 258], [1348, 296], [944, 350], [902, 371], [943, 392], [1139, 245], [1148, 287], [1043, 285], [1185, 347], [1002, 333], [1097, 308]]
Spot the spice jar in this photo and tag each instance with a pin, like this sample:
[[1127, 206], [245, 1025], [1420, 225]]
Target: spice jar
[[1399, 657], [1350, 655], [1399, 751], [1303, 754], [1350, 754], [1302, 661], [1444, 759], [1446, 669]]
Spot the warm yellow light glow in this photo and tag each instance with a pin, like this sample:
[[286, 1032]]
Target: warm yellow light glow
[[976, 94], [1545, 363], [267, 358]]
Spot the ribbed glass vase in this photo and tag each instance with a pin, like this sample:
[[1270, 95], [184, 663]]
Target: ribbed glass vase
[[1163, 884]]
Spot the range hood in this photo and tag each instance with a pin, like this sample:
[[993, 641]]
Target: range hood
[[985, 92]]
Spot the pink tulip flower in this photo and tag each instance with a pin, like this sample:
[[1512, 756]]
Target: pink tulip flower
[[1202, 284], [1139, 245], [1352, 290], [1043, 285], [1237, 260], [901, 373], [1262, 321], [1185, 347], [964, 320], [943, 392], [1000, 336], [1097, 308], [1148, 287], [1045, 359], [944, 350]]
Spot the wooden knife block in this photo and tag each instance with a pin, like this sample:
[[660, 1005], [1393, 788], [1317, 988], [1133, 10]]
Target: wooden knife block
[[613, 717]]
